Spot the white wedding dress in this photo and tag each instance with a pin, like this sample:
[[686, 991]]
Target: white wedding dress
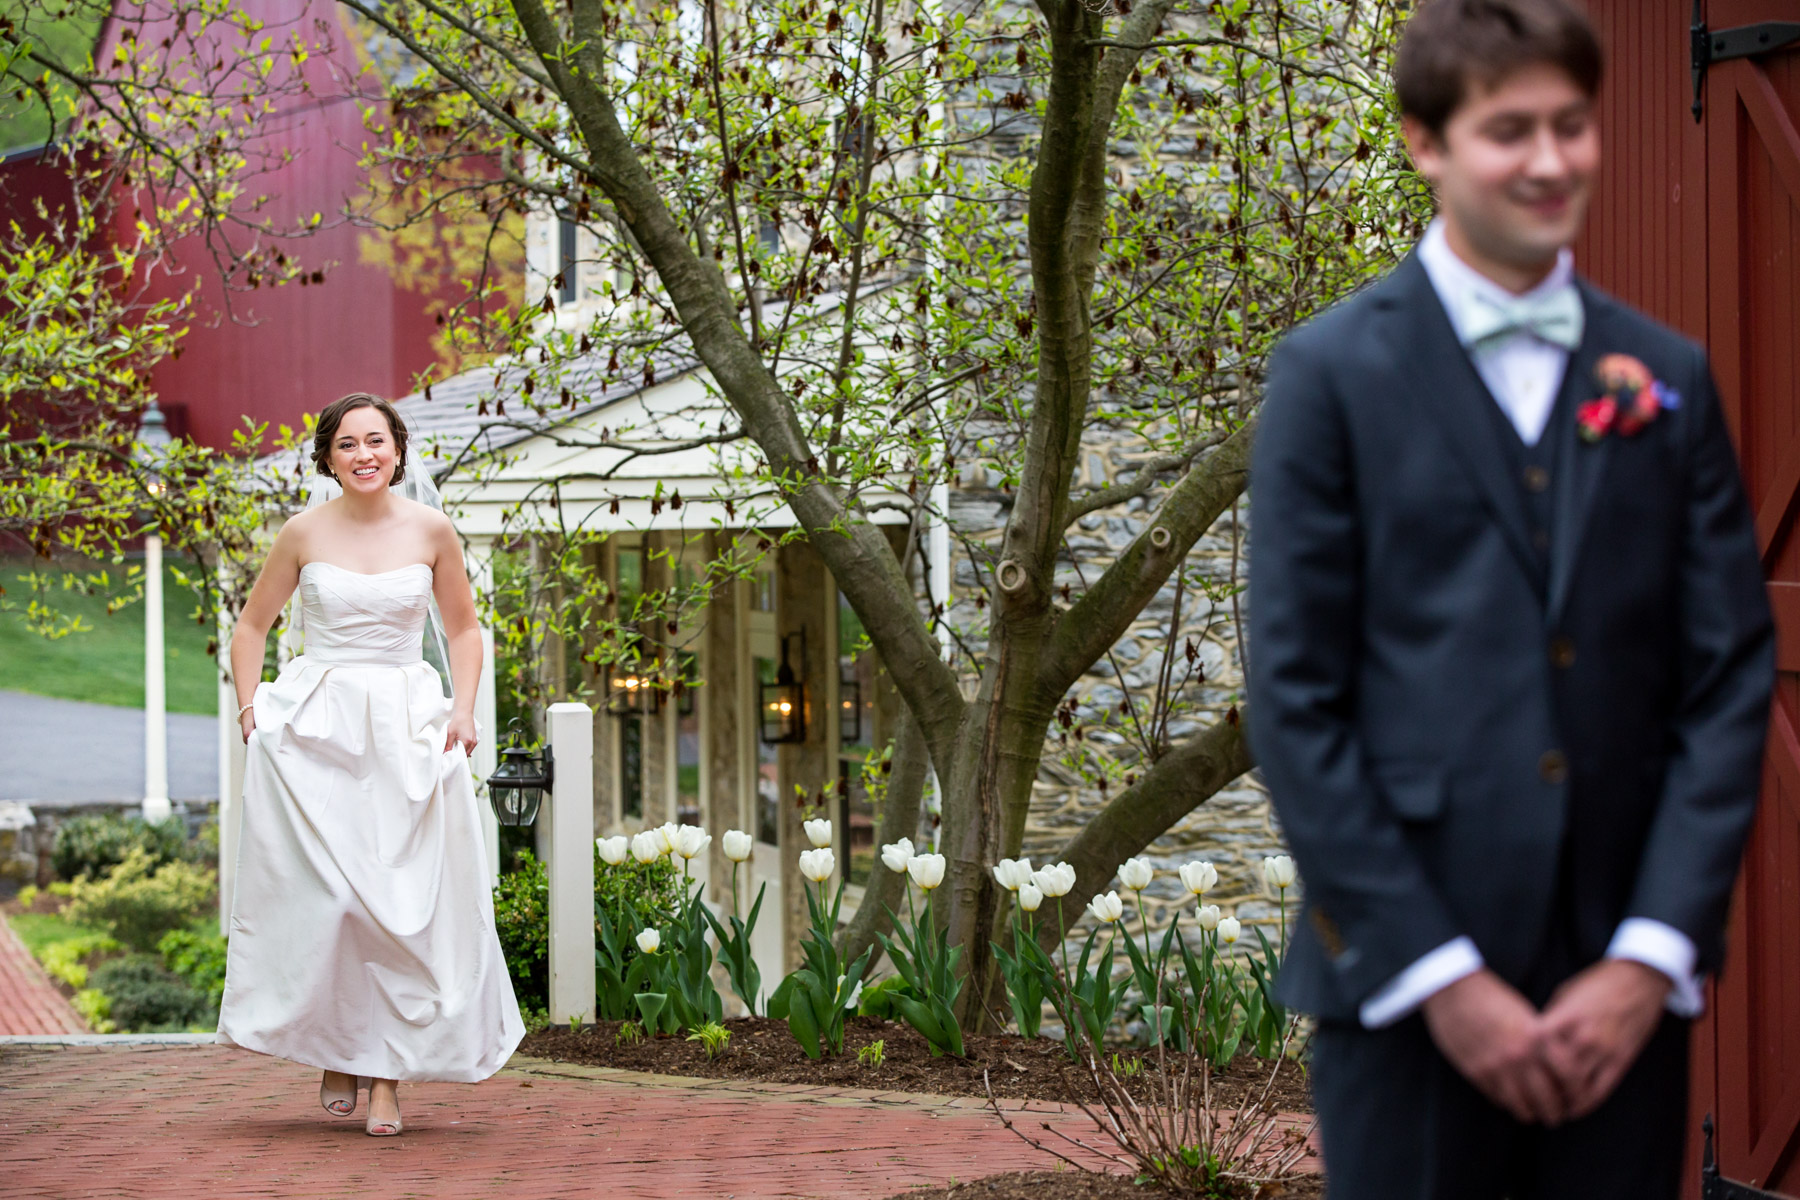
[[362, 932]]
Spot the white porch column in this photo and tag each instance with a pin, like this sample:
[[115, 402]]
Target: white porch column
[[479, 561], [571, 863], [156, 723], [231, 777], [487, 753]]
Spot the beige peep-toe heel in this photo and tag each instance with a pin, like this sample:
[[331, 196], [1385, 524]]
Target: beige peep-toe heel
[[338, 1103]]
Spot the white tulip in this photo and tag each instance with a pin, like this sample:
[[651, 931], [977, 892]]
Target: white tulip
[[1279, 870], [1010, 874], [817, 865], [1208, 916], [1106, 909], [667, 831], [1030, 896], [737, 845], [855, 996], [648, 846], [690, 840], [818, 832], [1055, 880], [649, 941], [927, 870], [613, 850], [1229, 930], [1136, 873], [895, 854], [1199, 877]]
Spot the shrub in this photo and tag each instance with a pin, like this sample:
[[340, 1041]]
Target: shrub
[[522, 919], [138, 905], [93, 845], [95, 1009], [649, 891], [198, 959], [63, 959], [144, 997]]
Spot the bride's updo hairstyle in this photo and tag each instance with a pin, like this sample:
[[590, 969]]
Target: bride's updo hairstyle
[[333, 416]]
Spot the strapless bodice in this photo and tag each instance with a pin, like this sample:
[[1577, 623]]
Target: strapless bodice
[[354, 619]]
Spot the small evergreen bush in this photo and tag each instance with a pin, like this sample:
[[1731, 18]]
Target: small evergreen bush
[[198, 959], [145, 997], [138, 904], [93, 845], [650, 891]]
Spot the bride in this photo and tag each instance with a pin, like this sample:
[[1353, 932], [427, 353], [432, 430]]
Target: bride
[[362, 931]]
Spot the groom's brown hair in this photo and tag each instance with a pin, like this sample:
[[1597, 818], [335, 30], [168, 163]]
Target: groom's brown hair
[[1450, 44]]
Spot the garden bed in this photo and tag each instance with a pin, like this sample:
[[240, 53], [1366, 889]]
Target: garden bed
[[1080, 1185], [1017, 1068]]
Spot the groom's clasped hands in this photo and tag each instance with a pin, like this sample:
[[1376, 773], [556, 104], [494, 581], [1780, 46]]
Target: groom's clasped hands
[[1559, 1064]]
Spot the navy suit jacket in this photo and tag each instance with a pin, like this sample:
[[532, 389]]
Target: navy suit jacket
[[1440, 709]]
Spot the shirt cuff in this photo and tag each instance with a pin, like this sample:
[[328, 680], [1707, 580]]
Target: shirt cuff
[[1405, 992], [1667, 949]]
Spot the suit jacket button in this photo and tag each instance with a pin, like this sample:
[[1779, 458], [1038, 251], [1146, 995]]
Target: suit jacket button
[[1553, 767], [1562, 652], [1536, 479], [1540, 540]]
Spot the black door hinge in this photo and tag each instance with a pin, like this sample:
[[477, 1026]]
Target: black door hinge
[[1714, 1186], [1708, 46]]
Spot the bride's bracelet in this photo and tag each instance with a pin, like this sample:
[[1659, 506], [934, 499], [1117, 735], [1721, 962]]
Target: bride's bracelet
[[241, 708]]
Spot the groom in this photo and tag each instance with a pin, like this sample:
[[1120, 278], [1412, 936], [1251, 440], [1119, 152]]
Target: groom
[[1510, 663]]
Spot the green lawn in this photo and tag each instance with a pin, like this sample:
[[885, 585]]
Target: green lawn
[[66, 37], [105, 664], [38, 930]]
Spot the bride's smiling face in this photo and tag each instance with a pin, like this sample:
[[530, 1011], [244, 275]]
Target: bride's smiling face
[[362, 451]]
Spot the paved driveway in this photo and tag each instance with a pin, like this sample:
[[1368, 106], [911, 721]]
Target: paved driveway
[[63, 751]]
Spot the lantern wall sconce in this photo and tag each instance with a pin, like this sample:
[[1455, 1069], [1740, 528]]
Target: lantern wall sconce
[[781, 715], [849, 709], [516, 788], [631, 692]]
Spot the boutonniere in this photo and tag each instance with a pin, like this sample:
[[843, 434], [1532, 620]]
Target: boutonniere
[[1630, 398]]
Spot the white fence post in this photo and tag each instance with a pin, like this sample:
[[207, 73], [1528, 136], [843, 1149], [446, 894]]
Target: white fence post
[[487, 752], [571, 864]]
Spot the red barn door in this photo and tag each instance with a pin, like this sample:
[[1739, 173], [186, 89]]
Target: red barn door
[[1752, 128]]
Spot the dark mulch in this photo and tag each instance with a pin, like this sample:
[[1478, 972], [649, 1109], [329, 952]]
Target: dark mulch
[[44, 902], [1079, 1185], [1017, 1068]]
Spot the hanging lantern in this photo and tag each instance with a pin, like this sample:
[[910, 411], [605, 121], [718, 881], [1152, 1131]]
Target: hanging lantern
[[516, 788], [849, 710], [782, 715], [630, 692]]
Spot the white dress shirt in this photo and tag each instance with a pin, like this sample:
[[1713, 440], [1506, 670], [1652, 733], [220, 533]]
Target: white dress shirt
[[1524, 374]]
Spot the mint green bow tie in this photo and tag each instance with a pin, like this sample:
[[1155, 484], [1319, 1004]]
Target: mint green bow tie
[[1555, 316]]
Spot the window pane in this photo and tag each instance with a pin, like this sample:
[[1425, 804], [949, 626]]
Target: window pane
[[768, 787], [631, 766], [687, 749], [856, 817], [631, 579], [856, 682]]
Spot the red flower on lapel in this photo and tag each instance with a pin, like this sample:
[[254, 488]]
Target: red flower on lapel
[[1595, 418], [1631, 397]]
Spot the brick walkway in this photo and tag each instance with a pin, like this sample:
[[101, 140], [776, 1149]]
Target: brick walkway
[[29, 1002], [200, 1120]]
